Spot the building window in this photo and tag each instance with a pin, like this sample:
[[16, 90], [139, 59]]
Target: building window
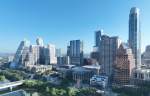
[[135, 75]]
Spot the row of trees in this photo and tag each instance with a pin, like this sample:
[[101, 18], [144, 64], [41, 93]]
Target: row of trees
[[13, 75], [61, 92], [72, 92], [51, 90]]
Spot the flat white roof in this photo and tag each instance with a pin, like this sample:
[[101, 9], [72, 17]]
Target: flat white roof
[[92, 66], [142, 70]]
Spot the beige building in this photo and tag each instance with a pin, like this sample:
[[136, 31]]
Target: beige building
[[50, 54], [40, 68]]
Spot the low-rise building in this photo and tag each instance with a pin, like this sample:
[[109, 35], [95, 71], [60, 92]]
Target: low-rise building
[[140, 75], [40, 68], [146, 57], [99, 80], [82, 74], [94, 68], [65, 71]]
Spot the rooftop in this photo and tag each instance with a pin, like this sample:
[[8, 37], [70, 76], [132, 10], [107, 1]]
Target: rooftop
[[92, 66], [134, 10]]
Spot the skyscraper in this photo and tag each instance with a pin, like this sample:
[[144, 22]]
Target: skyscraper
[[123, 65], [20, 55], [35, 50], [108, 50], [63, 60], [96, 49], [76, 52], [38, 51], [98, 37], [29, 55], [50, 54], [135, 35], [39, 41], [68, 51], [58, 52]]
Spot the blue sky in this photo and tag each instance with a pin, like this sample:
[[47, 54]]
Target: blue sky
[[59, 21]]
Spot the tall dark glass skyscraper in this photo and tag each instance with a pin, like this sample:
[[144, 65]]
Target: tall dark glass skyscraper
[[135, 35], [98, 37]]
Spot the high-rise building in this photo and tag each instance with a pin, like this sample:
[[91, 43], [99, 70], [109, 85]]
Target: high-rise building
[[123, 65], [108, 50], [50, 54], [96, 49], [29, 60], [35, 50], [95, 54], [98, 37], [20, 54], [63, 60], [30, 55], [67, 60], [40, 46], [135, 35], [58, 52], [68, 51], [39, 41], [76, 52]]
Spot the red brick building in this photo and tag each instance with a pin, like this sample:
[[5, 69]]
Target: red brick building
[[123, 65]]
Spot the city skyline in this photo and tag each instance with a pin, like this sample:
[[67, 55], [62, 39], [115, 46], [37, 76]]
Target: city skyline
[[52, 19]]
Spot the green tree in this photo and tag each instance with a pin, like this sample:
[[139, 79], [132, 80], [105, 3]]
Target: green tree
[[11, 75], [47, 89], [61, 92], [87, 92], [2, 78], [53, 92], [71, 91], [58, 92]]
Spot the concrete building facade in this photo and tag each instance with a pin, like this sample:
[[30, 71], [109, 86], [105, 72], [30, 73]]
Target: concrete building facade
[[76, 52], [108, 51]]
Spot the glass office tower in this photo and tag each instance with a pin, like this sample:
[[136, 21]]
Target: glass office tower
[[135, 35]]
